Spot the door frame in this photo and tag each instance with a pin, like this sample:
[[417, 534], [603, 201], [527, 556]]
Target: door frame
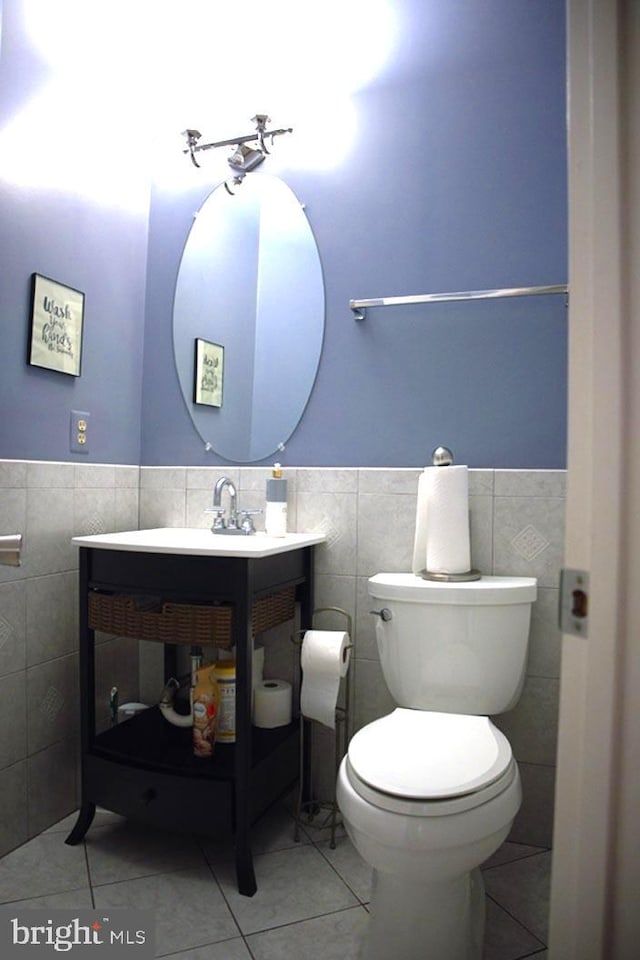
[[596, 872]]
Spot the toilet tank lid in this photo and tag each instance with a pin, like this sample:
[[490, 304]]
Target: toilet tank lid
[[486, 591], [424, 755]]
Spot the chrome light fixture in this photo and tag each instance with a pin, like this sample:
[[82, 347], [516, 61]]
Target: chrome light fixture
[[245, 158], [249, 150]]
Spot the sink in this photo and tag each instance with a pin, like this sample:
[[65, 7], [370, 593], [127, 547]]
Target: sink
[[199, 542]]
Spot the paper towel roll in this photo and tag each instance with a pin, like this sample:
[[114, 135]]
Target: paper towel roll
[[422, 519], [272, 704], [448, 541], [324, 660]]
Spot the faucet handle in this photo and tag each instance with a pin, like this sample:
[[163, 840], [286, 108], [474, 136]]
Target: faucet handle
[[218, 520], [246, 523]]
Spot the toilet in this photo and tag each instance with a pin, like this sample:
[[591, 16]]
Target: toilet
[[430, 791]]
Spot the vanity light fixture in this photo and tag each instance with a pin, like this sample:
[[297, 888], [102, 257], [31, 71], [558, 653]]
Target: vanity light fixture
[[249, 150]]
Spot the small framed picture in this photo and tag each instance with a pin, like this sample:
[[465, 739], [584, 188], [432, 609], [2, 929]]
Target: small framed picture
[[209, 373], [57, 316]]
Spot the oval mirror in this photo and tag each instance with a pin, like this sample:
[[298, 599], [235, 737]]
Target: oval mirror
[[248, 318]]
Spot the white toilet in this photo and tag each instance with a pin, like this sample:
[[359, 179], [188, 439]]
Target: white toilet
[[430, 791]]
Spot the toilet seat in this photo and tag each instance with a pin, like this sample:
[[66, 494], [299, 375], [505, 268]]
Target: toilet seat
[[424, 763]]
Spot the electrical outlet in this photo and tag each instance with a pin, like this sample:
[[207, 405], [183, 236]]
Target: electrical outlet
[[79, 431]]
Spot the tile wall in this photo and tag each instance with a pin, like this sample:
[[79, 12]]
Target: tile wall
[[48, 503], [368, 517]]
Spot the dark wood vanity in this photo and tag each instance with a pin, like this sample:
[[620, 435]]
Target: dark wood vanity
[[144, 768]]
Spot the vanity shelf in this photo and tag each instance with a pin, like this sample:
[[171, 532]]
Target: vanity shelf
[[144, 768]]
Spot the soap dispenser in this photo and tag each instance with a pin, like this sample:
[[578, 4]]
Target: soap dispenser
[[275, 521]]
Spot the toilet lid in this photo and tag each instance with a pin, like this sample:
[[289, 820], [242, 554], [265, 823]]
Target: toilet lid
[[421, 755]]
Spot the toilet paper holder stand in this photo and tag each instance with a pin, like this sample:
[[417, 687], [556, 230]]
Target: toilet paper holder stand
[[306, 811]]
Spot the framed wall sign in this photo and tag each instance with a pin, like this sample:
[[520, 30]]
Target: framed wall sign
[[57, 315], [208, 373]]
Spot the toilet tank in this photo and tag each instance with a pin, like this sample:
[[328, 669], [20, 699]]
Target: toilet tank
[[453, 647]]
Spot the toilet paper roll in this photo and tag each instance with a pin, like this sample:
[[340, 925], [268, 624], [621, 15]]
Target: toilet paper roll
[[272, 704], [448, 540], [324, 660]]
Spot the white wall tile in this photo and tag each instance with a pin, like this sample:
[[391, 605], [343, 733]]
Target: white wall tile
[[335, 515], [13, 473], [534, 821], [45, 474], [13, 627], [532, 726], [388, 481], [52, 695], [49, 529], [372, 697], [481, 533], [94, 475], [50, 796], [528, 538], [94, 510], [13, 519], [326, 480], [13, 719], [13, 807], [161, 507], [163, 478], [386, 525], [530, 483], [51, 617], [545, 639]]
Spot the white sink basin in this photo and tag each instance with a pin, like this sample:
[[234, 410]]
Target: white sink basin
[[199, 542]]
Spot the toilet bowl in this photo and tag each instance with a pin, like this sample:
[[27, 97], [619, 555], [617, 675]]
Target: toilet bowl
[[428, 794], [426, 826]]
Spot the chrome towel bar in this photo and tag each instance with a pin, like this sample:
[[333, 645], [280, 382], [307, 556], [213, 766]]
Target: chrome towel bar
[[358, 306]]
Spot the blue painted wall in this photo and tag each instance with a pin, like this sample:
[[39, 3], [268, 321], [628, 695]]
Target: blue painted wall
[[456, 179], [73, 208]]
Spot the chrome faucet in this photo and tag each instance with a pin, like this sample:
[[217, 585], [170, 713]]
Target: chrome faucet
[[233, 525], [219, 523]]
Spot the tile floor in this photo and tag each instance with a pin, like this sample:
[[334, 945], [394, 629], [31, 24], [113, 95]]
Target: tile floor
[[311, 902]]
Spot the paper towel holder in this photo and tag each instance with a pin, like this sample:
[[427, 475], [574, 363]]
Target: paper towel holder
[[465, 577], [443, 457], [343, 726]]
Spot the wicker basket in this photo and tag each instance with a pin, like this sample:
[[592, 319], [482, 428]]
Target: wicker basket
[[183, 623]]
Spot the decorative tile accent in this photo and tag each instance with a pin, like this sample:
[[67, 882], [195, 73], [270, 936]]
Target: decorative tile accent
[[528, 538], [93, 524], [52, 704], [6, 632], [529, 543], [331, 531]]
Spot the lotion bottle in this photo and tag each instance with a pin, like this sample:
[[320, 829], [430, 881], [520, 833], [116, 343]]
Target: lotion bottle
[[275, 520]]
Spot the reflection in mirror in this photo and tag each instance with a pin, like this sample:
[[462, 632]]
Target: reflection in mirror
[[250, 282]]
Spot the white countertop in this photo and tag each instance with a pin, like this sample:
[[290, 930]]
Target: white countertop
[[184, 540]]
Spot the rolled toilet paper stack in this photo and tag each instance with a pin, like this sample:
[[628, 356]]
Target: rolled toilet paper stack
[[325, 661], [442, 542], [272, 704]]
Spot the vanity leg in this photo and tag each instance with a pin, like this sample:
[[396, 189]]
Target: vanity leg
[[82, 824], [245, 874], [244, 656]]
